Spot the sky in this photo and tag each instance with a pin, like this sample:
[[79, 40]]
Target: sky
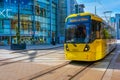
[[101, 6]]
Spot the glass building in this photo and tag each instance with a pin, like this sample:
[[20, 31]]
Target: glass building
[[65, 8], [41, 21], [117, 21], [38, 21], [71, 6]]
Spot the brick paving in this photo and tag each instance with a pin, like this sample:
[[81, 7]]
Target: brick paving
[[25, 69], [20, 70], [113, 71], [116, 67]]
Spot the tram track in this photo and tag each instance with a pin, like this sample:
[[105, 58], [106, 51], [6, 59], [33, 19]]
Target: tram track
[[80, 71], [15, 57], [26, 67], [60, 71], [66, 70], [43, 72], [24, 57], [72, 70], [97, 69], [63, 72], [24, 51]]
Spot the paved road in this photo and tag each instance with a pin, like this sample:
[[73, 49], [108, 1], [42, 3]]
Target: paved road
[[31, 64]]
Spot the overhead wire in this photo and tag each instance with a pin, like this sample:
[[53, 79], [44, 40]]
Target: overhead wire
[[104, 13]]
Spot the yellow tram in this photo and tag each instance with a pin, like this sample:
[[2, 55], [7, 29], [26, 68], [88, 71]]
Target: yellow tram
[[88, 37]]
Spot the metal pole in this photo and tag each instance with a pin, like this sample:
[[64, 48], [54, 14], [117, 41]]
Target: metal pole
[[108, 18], [51, 35], [33, 27], [18, 28], [95, 10]]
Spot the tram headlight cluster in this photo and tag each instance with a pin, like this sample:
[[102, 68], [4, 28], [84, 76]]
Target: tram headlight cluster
[[86, 48], [67, 47]]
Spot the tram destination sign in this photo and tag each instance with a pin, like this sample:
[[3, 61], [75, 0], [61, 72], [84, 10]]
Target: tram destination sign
[[79, 19]]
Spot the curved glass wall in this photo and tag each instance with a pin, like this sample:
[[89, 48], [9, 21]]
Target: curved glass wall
[[35, 19]]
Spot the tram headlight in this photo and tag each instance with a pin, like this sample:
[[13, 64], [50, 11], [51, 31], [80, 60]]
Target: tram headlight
[[86, 48], [67, 48]]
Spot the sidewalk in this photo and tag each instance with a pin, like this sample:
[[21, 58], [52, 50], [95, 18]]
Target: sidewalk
[[35, 47], [32, 66], [43, 47], [6, 52]]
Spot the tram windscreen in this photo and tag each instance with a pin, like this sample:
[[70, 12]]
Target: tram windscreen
[[76, 33]]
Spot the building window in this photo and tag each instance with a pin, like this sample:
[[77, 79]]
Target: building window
[[1, 26], [40, 11], [37, 10], [37, 26]]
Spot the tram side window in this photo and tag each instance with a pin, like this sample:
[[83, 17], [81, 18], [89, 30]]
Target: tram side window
[[95, 30], [102, 34], [98, 30]]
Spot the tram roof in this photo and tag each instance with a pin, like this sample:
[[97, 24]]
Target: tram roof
[[93, 16]]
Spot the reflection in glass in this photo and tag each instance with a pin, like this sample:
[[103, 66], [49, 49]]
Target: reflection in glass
[[76, 33]]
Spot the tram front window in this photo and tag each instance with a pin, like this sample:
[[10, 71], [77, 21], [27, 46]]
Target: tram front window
[[76, 33]]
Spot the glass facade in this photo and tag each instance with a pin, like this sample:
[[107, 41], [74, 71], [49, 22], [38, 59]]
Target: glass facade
[[66, 7], [62, 15], [117, 25], [38, 21]]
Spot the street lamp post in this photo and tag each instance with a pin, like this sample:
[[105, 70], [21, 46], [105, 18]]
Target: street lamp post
[[95, 8], [34, 22], [19, 45], [18, 28]]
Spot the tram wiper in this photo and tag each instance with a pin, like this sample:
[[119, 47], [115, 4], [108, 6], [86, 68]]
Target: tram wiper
[[74, 45]]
